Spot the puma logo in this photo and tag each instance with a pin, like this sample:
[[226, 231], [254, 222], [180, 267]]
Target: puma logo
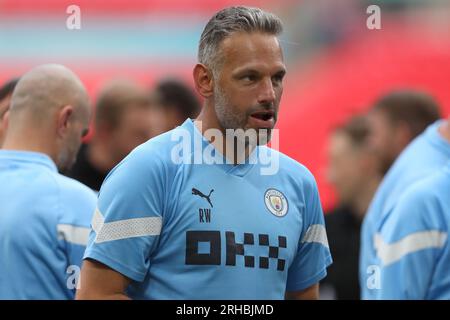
[[200, 194]]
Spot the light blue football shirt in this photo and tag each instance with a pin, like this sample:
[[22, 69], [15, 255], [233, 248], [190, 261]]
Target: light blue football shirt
[[413, 245], [208, 231], [425, 154], [44, 227]]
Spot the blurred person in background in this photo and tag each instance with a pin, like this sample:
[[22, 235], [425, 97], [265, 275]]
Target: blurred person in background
[[354, 173], [44, 216], [177, 101], [5, 97], [124, 118], [396, 119], [423, 156], [413, 244]]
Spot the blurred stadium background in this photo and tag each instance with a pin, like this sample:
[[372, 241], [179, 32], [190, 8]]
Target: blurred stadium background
[[337, 67]]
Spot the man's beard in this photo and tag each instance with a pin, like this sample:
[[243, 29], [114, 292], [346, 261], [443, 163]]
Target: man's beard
[[66, 158], [64, 164], [230, 119]]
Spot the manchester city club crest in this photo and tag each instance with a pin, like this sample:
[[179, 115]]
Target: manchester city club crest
[[276, 202]]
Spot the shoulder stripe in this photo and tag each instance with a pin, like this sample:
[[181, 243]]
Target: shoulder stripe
[[316, 233], [73, 234], [392, 252], [124, 229]]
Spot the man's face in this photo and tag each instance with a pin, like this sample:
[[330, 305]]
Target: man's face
[[382, 138], [137, 125], [345, 168], [248, 89], [4, 105]]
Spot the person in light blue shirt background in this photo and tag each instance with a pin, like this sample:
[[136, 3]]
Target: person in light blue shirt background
[[44, 216], [427, 153], [412, 245]]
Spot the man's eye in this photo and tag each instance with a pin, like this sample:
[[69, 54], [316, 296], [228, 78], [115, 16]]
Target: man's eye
[[249, 78], [277, 79]]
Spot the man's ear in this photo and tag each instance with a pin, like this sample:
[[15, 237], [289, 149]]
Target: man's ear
[[64, 115], [5, 120], [203, 80]]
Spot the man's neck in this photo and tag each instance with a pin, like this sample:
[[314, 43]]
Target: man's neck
[[33, 143], [99, 157], [228, 147], [362, 200]]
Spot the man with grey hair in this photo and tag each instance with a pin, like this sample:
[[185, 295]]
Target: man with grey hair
[[44, 216], [214, 230]]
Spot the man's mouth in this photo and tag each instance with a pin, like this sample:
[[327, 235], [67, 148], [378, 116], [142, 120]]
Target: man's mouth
[[263, 119]]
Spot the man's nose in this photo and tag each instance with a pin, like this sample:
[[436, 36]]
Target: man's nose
[[267, 92]]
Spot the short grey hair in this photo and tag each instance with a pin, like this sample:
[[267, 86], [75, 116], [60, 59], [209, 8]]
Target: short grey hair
[[231, 20]]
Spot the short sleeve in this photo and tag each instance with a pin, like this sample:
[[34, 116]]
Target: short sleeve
[[77, 203], [408, 245], [313, 253], [128, 219]]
